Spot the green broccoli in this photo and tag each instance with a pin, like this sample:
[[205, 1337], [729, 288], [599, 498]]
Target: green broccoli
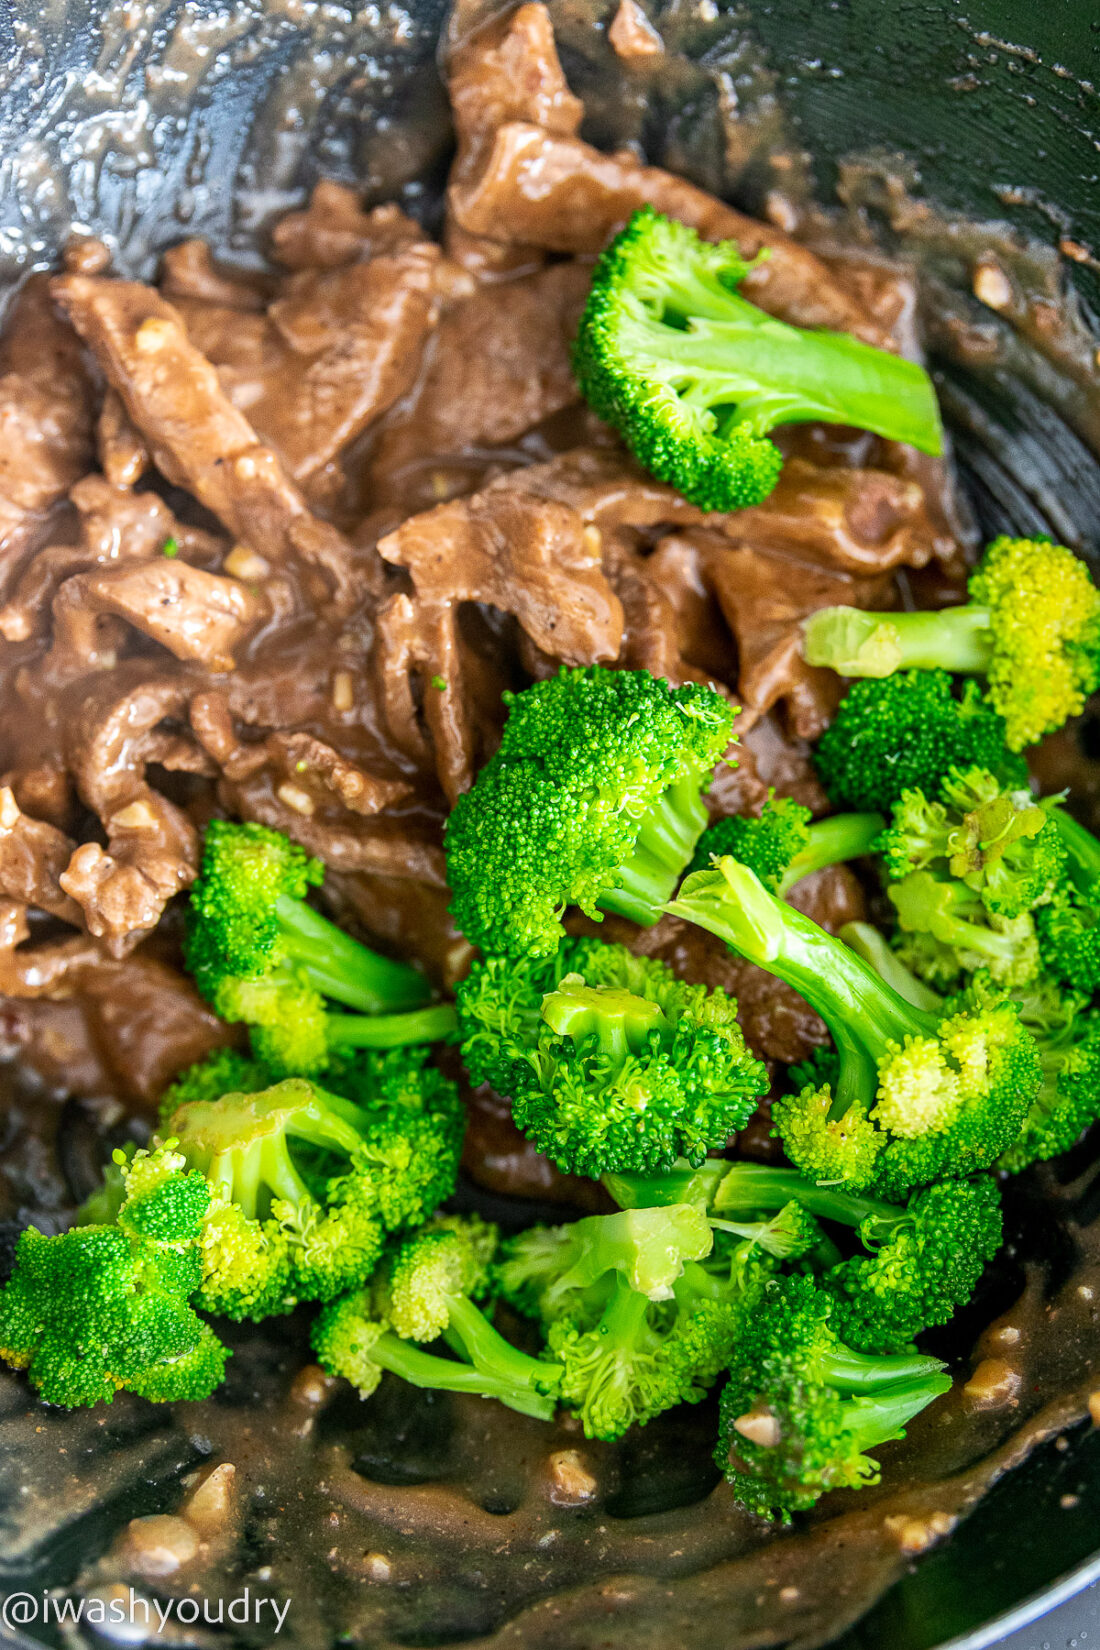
[[783, 845], [610, 1060], [995, 839], [225, 1071], [801, 1409], [870, 943], [306, 1182], [640, 1309], [259, 953], [919, 1094], [1069, 927], [428, 1289], [923, 1260], [904, 733], [1067, 1032], [947, 932], [1031, 628], [593, 799], [107, 1307], [693, 376]]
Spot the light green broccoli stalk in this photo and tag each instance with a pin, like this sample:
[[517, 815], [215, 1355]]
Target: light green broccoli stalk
[[693, 376], [1031, 628], [801, 1410], [103, 1308], [610, 1061], [919, 1095], [593, 799]]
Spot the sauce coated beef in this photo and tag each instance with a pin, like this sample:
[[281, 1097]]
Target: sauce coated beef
[[273, 545]]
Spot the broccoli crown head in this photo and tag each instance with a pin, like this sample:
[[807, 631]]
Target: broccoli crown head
[[1044, 618], [1069, 939], [285, 1015], [595, 788], [904, 733], [430, 1270], [101, 1308], [767, 845], [1067, 1034], [612, 1063], [232, 926], [993, 838], [693, 376], [928, 1265], [800, 1410], [344, 1335]]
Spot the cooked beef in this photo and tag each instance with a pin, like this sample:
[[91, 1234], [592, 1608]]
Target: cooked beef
[[46, 408], [536, 188], [123, 455], [33, 854], [497, 365], [195, 615], [197, 437], [189, 271], [334, 230]]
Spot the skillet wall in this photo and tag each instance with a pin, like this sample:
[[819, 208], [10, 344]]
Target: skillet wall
[[212, 117]]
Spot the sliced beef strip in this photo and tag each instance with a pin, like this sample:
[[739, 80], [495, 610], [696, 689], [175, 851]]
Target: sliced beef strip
[[55, 968], [123, 454], [418, 643], [33, 854], [116, 525], [114, 726], [309, 773], [199, 440], [46, 414], [764, 597], [390, 846], [195, 615], [331, 354], [537, 188], [524, 555], [334, 230], [508, 71], [497, 364], [189, 271]]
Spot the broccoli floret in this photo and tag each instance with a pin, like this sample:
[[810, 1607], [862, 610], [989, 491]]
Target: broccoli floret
[[1069, 927], [919, 1094], [1067, 1032], [107, 1307], [226, 1071], [260, 954], [783, 845], [594, 799], [947, 932], [924, 1259], [429, 1289], [306, 1182], [610, 1060], [801, 1409], [996, 839], [640, 1309], [693, 376], [904, 733], [1031, 628]]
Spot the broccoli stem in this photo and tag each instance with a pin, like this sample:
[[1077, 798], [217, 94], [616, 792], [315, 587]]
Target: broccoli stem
[[658, 1190], [874, 1418], [339, 967], [422, 1025], [1083, 850], [495, 1357], [665, 843], [859, 1372], [426, 1369], [863, 1013], [855, 643], [830, 842], [748, 1188], [869, 943]]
